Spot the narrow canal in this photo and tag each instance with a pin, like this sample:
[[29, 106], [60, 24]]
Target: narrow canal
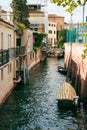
[[34, 106]]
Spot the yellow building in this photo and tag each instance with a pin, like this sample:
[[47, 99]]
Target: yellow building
[[59, 20], [37, 18]]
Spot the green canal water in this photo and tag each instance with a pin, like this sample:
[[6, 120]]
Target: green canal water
[[34, 106]]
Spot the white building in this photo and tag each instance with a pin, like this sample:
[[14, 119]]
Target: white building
[[52, 34]]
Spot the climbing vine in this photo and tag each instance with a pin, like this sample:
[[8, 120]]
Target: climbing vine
[[38, 38]]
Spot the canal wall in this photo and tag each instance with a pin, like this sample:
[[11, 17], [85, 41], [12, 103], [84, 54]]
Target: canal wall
[[5, 90], [35, 59], [77, 68]]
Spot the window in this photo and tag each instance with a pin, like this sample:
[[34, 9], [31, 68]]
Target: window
[[10, 68], [30, 56], [18, 41], [51, 40], [1, 40], [1, 74], [9, 41], [33, 55], [35, 29], [50, 31], [61, 27]]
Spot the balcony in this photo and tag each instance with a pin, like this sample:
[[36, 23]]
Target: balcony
[[21, 50], [19, 32], [13, 52], [16, 52], [4, 57]]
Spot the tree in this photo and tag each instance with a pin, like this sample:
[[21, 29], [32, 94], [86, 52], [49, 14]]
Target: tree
[[61, 35], [69, 4], [20, 12], [38, 38]]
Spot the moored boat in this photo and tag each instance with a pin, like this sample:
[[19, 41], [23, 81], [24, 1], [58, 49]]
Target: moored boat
[[62, 70], [60, 56], [66, 96], [17, 80]]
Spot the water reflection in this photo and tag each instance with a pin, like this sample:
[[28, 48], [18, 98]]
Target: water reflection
[[34, 106]]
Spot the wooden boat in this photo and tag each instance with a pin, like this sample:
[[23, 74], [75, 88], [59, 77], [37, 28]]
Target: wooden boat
[[17, 80], [60, 56], [66, 96], [62, 70]]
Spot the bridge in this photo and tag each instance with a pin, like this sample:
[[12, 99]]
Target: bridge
[[52, 51]]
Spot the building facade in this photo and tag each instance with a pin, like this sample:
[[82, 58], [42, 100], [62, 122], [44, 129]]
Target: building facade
[[38, 18], [17, 56], [52, 34], [6, 62], [59, 20], [55, 24]]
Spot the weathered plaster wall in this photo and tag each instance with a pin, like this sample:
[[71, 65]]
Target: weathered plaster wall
[[77, 68], [5, 91]]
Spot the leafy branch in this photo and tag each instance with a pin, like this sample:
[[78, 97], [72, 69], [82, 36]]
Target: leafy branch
[[84, 55]]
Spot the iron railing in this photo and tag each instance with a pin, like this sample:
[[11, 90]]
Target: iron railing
[[13, 52], [5, 55], [16, 52], [21, 50]]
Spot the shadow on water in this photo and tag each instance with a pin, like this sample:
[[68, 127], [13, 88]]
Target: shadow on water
[[34, 106], [76, 118]]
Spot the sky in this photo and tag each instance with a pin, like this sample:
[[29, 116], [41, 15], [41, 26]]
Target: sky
[[54, 9]]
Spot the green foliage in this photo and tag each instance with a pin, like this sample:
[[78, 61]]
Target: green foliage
[[38, 37], [20, 26], [61, 35], [84, 54], [85, 32], [20, 12], [69, 4], [84, 24]]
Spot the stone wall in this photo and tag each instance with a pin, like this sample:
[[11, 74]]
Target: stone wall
[[77, 68]]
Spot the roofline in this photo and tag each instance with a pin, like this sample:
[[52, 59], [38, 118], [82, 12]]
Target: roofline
[[2, 20], [54, 15]]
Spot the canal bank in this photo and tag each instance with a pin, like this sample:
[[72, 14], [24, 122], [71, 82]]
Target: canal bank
[[77, 68]]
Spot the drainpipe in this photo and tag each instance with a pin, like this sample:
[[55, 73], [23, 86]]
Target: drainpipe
[[0, 10], [70, 56]]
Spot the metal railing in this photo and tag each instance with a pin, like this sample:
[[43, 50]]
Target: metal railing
[[21, 50], [5, 55], [16, 52]]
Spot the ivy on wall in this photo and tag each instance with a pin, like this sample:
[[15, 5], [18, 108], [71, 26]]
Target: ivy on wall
[[38, 38], [61, 37]]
